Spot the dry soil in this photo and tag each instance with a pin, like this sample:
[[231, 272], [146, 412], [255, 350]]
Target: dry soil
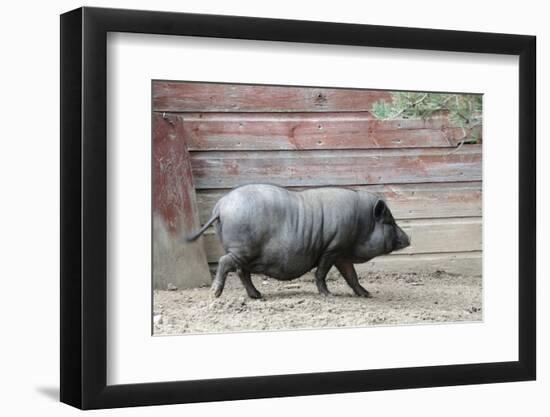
[[397, 298]]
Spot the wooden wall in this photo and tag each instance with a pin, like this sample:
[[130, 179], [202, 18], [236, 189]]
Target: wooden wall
[[302, 137]]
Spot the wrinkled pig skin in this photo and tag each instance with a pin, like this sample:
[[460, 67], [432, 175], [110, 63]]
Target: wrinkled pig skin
[[266, 229]]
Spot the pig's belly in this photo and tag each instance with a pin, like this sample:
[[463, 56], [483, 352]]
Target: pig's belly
[[283, 267]]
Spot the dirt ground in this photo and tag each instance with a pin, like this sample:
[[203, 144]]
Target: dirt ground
[[397, 298]]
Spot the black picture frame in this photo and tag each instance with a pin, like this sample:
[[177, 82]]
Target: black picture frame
[[84, 207]]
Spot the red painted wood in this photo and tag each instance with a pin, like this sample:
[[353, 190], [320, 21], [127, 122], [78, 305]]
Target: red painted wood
[[173, 96], [288, 131], [175, 262], [218, 136], [336, 167], [173, 188]]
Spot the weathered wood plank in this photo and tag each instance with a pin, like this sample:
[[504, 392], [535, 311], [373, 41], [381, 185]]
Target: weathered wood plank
[[175, 96], [460, 263], [174, 212], [427, 236], [291, 131], [336, 167], [407, 201], [443, 235]]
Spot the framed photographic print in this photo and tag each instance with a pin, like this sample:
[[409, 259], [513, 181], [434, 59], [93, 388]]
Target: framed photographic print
[[257, 208]]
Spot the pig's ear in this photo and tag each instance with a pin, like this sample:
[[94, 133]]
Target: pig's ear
[[380, 209]]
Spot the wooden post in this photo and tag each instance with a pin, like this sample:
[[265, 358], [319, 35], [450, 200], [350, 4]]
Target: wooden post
[[176, 263]]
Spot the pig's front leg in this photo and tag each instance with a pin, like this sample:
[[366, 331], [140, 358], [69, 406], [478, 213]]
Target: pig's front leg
[[247, 283], [321, 275], [347, 270]]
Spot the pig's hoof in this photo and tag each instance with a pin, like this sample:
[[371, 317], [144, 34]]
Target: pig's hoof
[[216, 292], [327, 294], [361, 292], [255, 295]]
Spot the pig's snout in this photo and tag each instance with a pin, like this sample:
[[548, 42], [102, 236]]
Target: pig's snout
[[403, 240]]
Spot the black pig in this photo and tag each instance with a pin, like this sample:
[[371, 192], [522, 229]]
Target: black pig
[[283, 234]]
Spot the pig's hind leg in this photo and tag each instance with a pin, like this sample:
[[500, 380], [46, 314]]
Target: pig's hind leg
[[226, 264], [251, 290], [350, 275]]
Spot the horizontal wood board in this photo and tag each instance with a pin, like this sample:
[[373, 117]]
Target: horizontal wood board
[[297, 131], [336, 167], [175, 96]]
